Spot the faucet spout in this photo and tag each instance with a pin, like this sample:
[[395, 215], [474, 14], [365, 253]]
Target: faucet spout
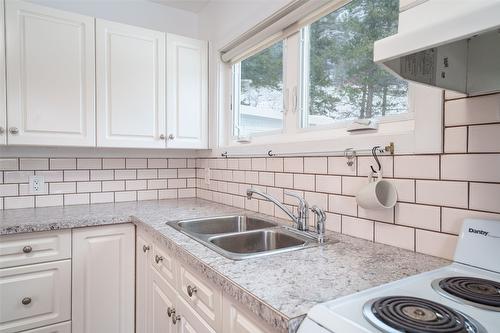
[[251, 192]]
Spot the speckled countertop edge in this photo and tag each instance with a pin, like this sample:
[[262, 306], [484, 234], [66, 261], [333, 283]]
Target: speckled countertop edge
[[147, 216]]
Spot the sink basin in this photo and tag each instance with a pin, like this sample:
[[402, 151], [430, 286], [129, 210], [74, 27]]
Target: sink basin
[[242, 237], [257, 241], [224, 225]]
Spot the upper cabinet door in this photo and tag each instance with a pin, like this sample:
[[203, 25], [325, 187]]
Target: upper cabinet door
[[130, 86], [3, 110], [187, 92], [50, 76]]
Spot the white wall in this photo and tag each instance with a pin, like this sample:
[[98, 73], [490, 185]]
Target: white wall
[[141, 13]]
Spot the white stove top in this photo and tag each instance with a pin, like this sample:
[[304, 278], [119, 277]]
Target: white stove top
[[345, 315]]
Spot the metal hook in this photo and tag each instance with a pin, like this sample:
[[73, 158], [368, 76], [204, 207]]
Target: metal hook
[[374, 154]]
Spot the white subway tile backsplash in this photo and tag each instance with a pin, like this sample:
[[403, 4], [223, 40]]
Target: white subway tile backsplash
[[9, 190], [101, 174], [338, 166], [318, 199], [178, 163], [360, 228], [471, 167], [51, 176], [418, 216], [136, 163], [88, 163], [384, 215], [187, 192], [266, 178], [77, 199], [304, 182], [274, 164], [476, 110], [76, 175], [329, 184], [125, 196], [364, 163], [259, 164], [157, 163], [167, 173], [113, 185], [190, 173], [251, 177], [284, 180], [48, 200], [293, 164], [452, 218], [167, 194], [85, 187], [455, 139], [125, 174], [333, 222], [484, 138], [134, 185], [395, 235], [17, 176], [18, 202], [113, 163], [352, 185], [442, 193], [147, 173], [317, 165], [102, 197], [342, 205], [405, 189], [34, 164], [62, 163], [417, 166], [9, 164], [155, 184], [177, 183], [57, 188], [485, 197], [435, 243]]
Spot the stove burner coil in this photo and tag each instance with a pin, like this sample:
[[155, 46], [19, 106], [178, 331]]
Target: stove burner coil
[[417, 315]]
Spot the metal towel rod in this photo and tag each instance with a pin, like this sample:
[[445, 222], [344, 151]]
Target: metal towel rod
[[368, 151]]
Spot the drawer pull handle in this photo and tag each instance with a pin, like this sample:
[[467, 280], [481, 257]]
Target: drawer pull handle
[[27, 249], [146, 248], [158, 259], [26, 300], [175, 319], [191, 290], [170, 311]]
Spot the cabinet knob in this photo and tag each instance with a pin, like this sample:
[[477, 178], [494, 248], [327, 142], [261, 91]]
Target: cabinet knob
[[171, 136], [13, 130], [170, 311], [158, 259], [162, 136], [191, 290], [27, 249], [26, 300], [146, 248], [2, 130], [175, 319]]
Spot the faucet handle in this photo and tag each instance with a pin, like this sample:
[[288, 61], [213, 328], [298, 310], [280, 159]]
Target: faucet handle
[[319, 222], [303, 205]]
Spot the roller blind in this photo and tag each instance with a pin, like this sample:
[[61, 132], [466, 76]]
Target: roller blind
[[278, 26]]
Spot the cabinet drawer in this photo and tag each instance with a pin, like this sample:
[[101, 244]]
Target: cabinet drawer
[[164, 264], [35, 295], [37, 247], [57, 328], [202, 296], [190, 320]]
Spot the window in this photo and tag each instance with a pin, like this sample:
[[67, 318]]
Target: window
[[340, 81], [258, 92]]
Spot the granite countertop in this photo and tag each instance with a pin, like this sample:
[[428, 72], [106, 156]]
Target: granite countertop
[[279, 288]]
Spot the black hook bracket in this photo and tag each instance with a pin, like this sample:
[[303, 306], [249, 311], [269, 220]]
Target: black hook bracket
[[374, 154]]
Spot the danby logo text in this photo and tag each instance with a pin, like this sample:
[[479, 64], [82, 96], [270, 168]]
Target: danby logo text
[[478, 231]]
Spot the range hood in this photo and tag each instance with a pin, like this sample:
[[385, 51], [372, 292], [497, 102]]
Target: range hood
[[450, 44]]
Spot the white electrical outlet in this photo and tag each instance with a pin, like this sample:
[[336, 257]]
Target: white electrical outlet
[[37, 184], [208, 175]]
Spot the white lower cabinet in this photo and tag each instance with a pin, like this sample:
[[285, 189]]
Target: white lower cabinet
[[172, 298], [34, 295], [57, 328], [103, 279]]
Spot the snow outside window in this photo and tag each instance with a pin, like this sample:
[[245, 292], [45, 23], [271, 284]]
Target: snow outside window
[[258, 92]]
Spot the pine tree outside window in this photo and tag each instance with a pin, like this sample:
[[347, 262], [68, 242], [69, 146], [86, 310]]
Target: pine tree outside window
[[340, 81]]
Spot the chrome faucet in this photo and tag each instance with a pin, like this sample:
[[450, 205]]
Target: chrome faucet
[[319, 222], [301, 221]]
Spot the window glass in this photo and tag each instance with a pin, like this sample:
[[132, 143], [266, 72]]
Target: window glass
[[258, 92], [340, 81]]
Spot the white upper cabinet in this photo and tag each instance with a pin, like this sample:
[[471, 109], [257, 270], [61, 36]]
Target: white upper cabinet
[[50, 76], [3, 109], [130, 86], [187, 92]]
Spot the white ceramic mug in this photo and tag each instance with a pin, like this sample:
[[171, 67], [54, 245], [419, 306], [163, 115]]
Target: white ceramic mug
[[377, 194]]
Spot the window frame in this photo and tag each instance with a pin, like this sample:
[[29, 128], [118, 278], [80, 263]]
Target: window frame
[[417, 131]]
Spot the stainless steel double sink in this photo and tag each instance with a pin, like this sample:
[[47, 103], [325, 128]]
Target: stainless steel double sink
[[243, 236]]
